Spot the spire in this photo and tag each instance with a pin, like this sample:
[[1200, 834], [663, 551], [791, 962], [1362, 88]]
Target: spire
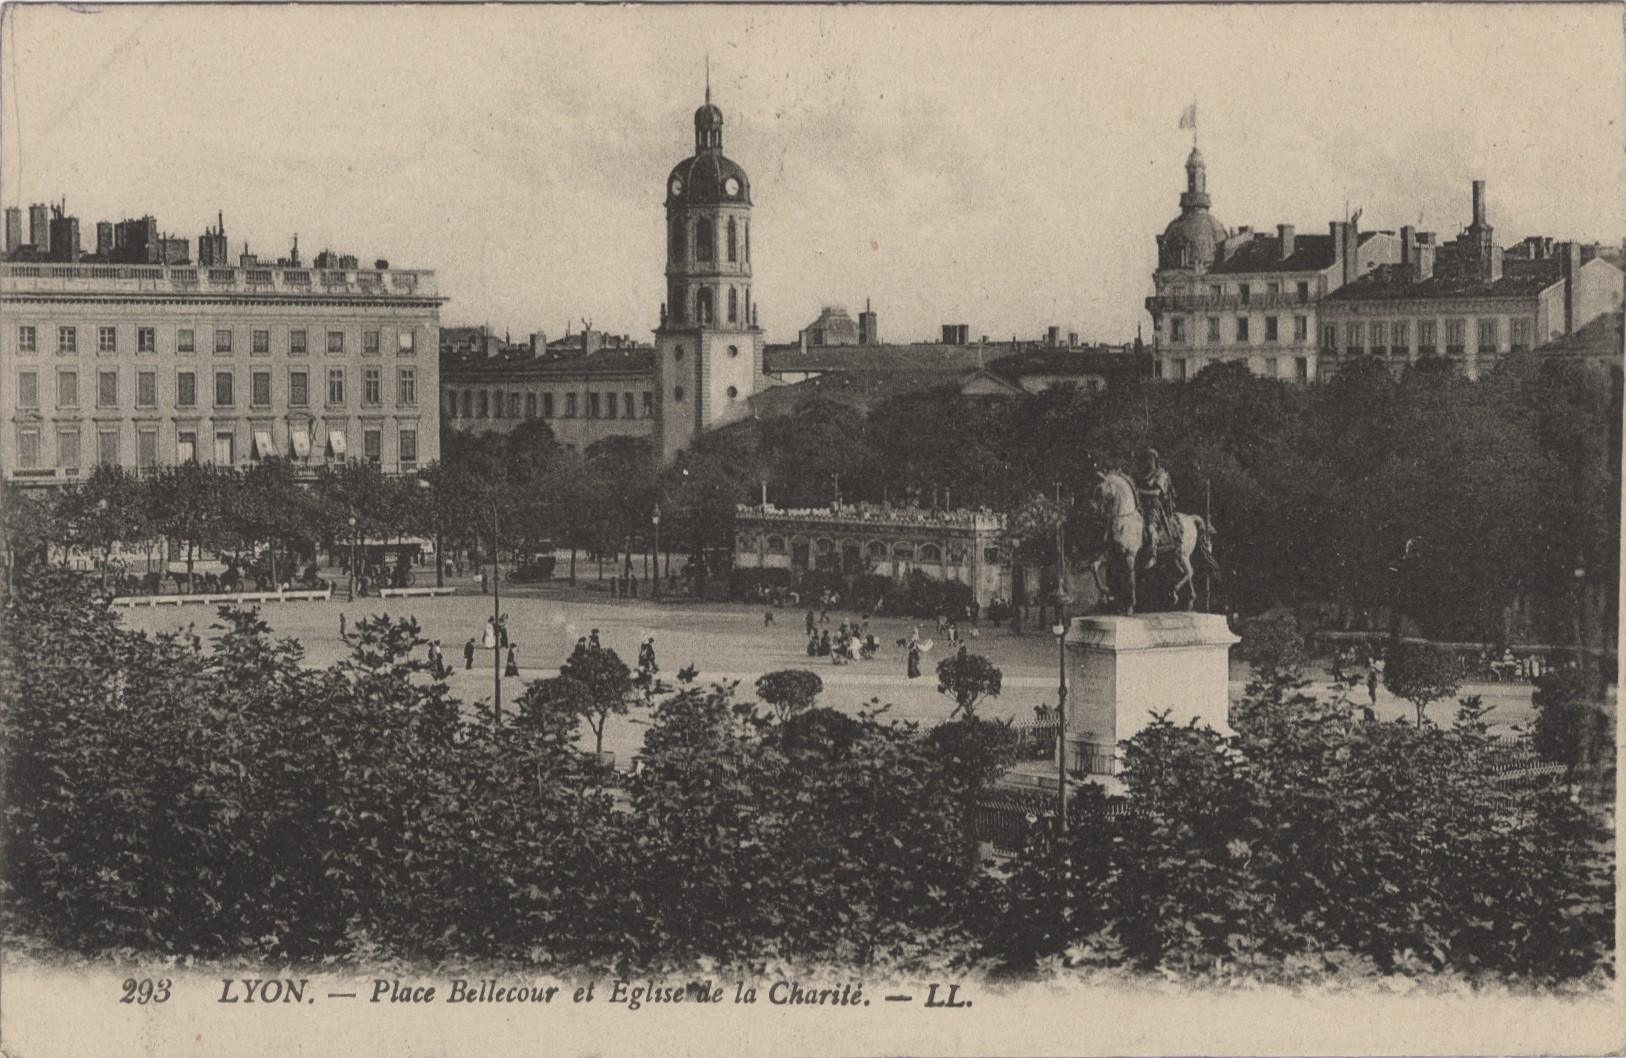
[[708, 78]]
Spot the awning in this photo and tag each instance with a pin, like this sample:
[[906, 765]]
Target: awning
[[302, 444], [262, 445], [335, 441]]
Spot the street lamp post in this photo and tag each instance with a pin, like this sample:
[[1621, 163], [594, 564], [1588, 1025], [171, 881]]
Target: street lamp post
[[1060, 629], [655, 519], [352, 590], [496, 619], [440, 555]]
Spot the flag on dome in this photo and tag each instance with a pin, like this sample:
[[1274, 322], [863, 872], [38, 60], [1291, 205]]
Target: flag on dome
[[1188, 118]]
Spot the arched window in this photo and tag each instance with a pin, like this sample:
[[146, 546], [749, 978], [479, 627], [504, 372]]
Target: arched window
[[876, 550], [776, 545], [677, 394], [451, 405], [733, 305], [903, 552], [677, 353], [703, 313], [747, 304], [485, 404], [513, 405], [824, 547], [678, 303], [731, 240], [705, 241], [680, 242], [748, 242], [530, 405], [468, 404], [930, 553]]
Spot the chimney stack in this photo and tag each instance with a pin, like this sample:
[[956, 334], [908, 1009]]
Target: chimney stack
[[14, 228], [867, 330], [1479, 203], [1408, 250], [1052, 337], [1570, 263], [104, 238], [1286, 234]]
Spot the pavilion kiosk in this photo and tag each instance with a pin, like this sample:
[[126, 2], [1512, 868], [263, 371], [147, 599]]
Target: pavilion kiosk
[[1123, 669]]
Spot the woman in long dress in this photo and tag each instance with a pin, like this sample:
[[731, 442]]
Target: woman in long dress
[[914, 659]]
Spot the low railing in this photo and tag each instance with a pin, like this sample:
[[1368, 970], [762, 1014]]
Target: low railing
[[190, 278]]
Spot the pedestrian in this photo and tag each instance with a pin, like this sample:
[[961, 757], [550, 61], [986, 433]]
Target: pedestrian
[[592, 640], [914, 659], [810, 620], [1372, 684], [824, 607], [468, 654], [344, 633], [435, 660], [812, 643], [502, 630], [615, 588], [646, 657], [488, 638], [767, 616], [512, 668], [483, 590], [976, 613], [632, 584]]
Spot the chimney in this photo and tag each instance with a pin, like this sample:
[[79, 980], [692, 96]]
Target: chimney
[[1570, 265], [1285, 233], [1479, 203], [14, 228], [1072, 339], [1349, 252], [1408, 250], [39, 227], [1052, 337], [867, 331]]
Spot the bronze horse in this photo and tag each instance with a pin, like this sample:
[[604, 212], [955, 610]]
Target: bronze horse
[[1115, 499]]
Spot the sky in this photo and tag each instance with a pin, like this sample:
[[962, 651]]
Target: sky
[[1003, 167]]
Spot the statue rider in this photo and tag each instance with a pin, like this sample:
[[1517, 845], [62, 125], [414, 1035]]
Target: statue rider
[[1155, 490]]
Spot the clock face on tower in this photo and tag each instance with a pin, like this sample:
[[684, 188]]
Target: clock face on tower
[[732, 186], [677, 186]]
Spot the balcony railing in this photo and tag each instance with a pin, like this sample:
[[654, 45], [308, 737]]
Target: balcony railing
[[158, 279], [1228, 302]]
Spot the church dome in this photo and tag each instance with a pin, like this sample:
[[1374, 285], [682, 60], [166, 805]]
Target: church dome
[[708, 178], [1192, 239]]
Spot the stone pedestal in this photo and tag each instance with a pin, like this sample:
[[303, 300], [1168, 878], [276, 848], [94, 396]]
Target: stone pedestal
[[1123, 669]]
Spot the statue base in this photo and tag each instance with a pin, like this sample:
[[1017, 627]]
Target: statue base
[[1123, 669]]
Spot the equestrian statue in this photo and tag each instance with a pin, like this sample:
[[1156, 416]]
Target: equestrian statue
[[1143, 530]]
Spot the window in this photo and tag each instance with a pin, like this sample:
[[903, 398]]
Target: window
[[27, 340], [1301, 328], [1270, 329], [677, 394], [1353, 339], [649, 404], [186, 389], [1425, 337], [107, 389], [1242, 328], [146, 389], [369, 343], [1301, 368], [468, 404], [146, 447], [223, 340], [67, 446], [705, 241], [513, 405], [1304, 292], [704, 309], [731, 239], [530, 405], [1519, 333], [260, 343], [1273, 368], [28, 389], [67, 340], [1402, 336], [225, 448], [107, 447], [733, 392], [733, 305], [592, 405], [1455, 336], [28, 447], [547, 405], [224, 397], [609, 405], [628, 409], [335, 342], [299, 387], [1216, 290], [485, 405], [1213, 329], [1380, 338], [406, 342], [186, 447], [409, 450], [1273, 289], [67, 389], [1487, 335], [296, 343], [1329, 337], [570, 405], [372, 446], [407, 388], [1177, 329], [259, 390], [1243, 293], [107, 339], [372, 385], [335, 385], [185, 342], [1178, 369], [747, 240], [680, 248], [733, 352], [146, 340]]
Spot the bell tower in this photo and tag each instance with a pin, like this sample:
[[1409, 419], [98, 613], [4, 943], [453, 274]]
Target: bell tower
[[708, 348]]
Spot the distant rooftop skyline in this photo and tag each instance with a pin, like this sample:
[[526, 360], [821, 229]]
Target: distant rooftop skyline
[[1005, 168]]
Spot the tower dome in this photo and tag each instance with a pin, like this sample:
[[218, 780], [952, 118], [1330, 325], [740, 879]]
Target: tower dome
[[708, 177], [1193, 239]]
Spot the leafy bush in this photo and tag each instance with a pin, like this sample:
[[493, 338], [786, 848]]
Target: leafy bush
[[1570, 726], [743, 583], [968, 679], [1274, 643], [789, 691], [1421, 673]]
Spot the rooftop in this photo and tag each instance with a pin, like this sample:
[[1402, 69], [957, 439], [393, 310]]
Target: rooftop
[[1520, 279], [117, 280], [1603, 338], [516, 364]]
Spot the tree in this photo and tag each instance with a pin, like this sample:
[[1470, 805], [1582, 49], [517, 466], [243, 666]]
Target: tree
[[968, 679], [107, 509], [187, 504], [595, 683], [1421, 673], [1570, 727], [789, 691]]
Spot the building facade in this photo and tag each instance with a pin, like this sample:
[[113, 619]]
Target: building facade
[[708, 349], [583, 397], [967, 547], [1467, 300], [145, 365], [1248, 296]]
